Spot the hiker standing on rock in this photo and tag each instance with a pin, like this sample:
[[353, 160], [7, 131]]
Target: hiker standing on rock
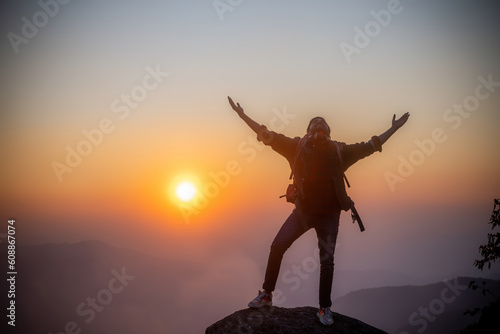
[[318, 192]]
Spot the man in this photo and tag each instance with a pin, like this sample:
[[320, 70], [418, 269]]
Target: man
[[318, 164]]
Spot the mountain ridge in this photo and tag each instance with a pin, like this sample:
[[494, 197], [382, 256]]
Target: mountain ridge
[[436, 308], [56, 278]]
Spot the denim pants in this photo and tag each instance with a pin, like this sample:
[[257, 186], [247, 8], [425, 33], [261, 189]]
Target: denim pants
[[326, 227]]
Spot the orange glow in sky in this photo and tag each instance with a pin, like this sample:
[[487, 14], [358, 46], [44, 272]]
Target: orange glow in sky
[[147, 155]]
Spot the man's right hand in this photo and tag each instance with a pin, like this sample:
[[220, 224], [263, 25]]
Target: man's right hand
[[236, 107]]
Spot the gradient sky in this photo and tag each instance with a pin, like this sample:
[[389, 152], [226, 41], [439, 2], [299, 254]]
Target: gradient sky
[[274, 57]]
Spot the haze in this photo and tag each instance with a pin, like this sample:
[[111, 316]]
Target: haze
[[425, 200]]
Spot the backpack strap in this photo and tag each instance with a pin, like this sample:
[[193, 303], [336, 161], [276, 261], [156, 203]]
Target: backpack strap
[[300, 145], [339, 150], [341, 159]]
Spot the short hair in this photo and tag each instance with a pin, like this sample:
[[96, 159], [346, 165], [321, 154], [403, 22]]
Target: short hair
[[315, 118]]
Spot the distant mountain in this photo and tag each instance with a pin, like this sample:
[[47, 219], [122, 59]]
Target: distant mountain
[[345, 281], [434, 308], [99, 289], [351, 280], [102, 289]]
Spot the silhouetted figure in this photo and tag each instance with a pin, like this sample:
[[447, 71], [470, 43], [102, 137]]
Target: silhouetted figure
[[318, 164]]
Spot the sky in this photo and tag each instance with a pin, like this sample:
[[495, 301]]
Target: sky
[[107, 105]]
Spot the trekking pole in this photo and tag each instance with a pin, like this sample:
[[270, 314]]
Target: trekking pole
[[355, 217], [354, 213]]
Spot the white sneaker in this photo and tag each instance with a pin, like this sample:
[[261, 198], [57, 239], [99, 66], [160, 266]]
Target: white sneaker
[[262, 299], [325, 316]]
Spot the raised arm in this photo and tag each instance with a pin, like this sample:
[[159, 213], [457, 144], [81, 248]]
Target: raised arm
[[256, 127], [355, 152], [396, 124]]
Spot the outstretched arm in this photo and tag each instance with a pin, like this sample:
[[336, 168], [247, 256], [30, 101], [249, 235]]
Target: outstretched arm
[[355, 152], [396, 124], [256, 127]]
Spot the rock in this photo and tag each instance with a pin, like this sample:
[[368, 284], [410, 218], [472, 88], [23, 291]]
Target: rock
[[279, 320]]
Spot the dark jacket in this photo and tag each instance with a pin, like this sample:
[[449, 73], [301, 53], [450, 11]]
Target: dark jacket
[[319, 169]]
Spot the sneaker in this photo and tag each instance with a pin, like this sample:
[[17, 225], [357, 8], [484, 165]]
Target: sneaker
[[262, 299], [325, 316]]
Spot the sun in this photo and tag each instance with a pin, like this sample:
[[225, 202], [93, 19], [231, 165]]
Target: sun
[[185, 191]]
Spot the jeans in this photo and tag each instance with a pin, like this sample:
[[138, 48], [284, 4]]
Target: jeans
[[327, 227]]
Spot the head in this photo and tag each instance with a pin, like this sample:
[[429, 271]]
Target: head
[[318, 128]]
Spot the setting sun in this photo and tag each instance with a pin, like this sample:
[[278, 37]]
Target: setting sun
[[185, 191]]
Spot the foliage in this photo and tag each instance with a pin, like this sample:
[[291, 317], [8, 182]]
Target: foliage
[[488, 321], [491, 251]]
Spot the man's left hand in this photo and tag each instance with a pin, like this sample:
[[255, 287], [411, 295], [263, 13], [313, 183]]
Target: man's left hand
[[397, 123]]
